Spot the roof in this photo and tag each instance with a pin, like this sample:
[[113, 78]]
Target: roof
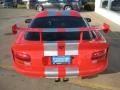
[[56, 13]]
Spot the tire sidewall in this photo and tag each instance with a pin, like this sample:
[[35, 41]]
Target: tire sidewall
[[38, 8], [68, 6]]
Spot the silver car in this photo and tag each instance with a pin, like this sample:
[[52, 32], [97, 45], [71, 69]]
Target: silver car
[[64, 4]]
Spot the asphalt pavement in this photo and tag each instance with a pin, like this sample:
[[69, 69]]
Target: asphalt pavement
[[10, 80]]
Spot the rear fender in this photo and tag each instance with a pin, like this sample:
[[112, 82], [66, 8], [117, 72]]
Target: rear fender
[[35, 51], [86, 49], [94, 46]]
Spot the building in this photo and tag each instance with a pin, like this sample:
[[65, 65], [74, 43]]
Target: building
[[109, 9]]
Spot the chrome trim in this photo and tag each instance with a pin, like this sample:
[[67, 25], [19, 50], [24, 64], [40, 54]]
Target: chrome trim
[[72, 71], [51, 72]]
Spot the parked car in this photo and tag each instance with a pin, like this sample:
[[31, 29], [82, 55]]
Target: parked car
[[105, 3], [9, 3], [1, 1], [59, 44], [65, 4], [115, 5]]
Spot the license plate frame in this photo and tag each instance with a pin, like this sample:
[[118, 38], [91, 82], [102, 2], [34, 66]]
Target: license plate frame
[[61, 60]]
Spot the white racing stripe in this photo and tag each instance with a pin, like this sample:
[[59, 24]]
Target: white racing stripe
[[65, 13], [52, 13], [51, 72], [72, 29], [50, 30], [50, 49], [72, 48], [72, 71]]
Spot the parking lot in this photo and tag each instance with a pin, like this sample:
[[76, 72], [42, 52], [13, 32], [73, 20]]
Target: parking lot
[[10, 80]]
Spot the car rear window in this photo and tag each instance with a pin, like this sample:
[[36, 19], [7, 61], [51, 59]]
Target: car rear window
[[58, 22], [57, 36]]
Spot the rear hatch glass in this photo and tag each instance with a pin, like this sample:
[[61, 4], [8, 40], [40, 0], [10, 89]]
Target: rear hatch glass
[[55, 22], [57, 36], [58, 22]]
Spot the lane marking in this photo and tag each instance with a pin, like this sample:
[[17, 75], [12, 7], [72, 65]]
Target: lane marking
[[93, 85], [7, 67]]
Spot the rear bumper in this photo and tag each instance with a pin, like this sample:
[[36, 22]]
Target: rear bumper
[[61, 72]]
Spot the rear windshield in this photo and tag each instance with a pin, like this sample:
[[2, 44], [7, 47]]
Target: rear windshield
[[57, 36], [58, 22]]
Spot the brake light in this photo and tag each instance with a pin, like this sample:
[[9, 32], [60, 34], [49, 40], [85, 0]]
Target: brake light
[[23, 58], [97, 55]]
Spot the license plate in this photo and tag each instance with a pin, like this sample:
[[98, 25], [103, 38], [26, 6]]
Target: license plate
[[61, 59]]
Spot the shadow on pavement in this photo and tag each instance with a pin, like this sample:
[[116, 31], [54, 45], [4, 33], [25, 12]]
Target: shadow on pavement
[[113, 38]]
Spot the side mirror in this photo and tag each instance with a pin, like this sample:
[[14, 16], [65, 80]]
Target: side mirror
[[88, 19], [106, 28], [28, 20], [14, 29]]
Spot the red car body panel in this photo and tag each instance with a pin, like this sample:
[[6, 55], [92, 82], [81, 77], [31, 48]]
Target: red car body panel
[[57, 13], [37, 64]]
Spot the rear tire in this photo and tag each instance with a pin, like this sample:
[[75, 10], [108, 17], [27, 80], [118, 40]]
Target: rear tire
[[39, 8], [68, 7], [89, 7]]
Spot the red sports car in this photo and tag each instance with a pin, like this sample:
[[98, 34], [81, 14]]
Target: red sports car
[[59, 44]]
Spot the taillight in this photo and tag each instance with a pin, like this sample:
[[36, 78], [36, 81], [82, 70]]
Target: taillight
[[98, 55], [23, 58]]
